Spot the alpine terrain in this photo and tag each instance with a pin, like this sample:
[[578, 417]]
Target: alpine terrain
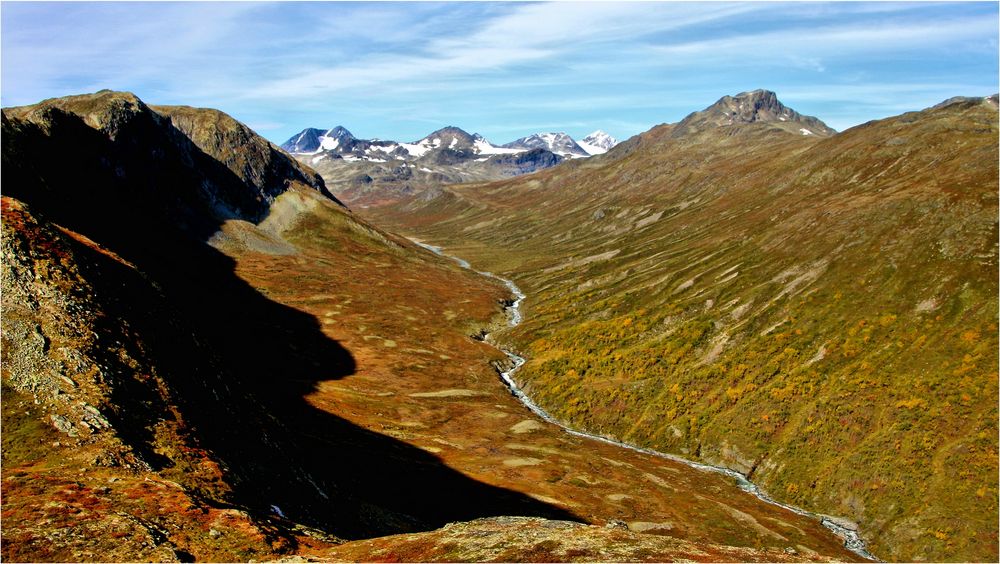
[[366, 172], [748, 288], [206, 356]]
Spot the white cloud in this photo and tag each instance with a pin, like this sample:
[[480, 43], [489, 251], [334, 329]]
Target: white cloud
[[833, 41], [529, 33]]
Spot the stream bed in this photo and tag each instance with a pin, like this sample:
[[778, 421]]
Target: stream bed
[[843, 528]]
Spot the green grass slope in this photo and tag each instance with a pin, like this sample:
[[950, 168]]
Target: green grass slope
[[820, 314]]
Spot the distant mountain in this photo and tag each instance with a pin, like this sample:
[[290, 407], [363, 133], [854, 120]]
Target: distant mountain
[[364, 171], [340, 141], [559, 143], [969, 101], [758, 106], [313, 140], [597, 143]]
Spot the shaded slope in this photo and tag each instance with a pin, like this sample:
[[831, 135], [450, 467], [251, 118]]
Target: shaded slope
[[159, 363], [817, 313], [303, 368]]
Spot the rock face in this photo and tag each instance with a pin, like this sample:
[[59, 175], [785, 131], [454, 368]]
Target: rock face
[[758, 106], [526, 162], [969, 101], [313, 140], [111, 298], [172, 158]]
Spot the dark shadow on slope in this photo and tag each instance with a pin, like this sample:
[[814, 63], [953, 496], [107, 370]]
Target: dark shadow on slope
[[237, 363]]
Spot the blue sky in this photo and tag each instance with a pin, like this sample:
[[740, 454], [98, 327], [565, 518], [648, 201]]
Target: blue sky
[[505, 70]]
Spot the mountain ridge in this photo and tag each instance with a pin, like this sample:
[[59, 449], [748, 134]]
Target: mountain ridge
[[559, 143], [754, 297], [756, 106], [188, 376]]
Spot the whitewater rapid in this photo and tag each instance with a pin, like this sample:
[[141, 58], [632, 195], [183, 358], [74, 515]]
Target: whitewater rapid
[[840, 527]]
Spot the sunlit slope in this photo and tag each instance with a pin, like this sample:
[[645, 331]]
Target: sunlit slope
[[206, 357], [819, 313]]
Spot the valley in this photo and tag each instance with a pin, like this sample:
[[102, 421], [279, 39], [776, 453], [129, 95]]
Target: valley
[[206, 356], [500, 282], [846, 530], [707, 289]]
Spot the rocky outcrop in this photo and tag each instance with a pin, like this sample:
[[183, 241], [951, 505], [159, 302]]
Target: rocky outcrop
[[523, 539], [757, 106], [527, 162], [177, 159]]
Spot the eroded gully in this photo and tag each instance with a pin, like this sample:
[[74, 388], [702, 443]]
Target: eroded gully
[[841, 527]]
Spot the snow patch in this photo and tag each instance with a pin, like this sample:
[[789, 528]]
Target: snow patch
[[484, 147], [415, 150], [591, 149]]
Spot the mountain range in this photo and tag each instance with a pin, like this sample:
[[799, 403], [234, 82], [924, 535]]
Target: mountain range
[[338, 140], [369, 172], [206, 355]]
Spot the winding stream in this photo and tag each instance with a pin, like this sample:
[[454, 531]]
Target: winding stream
[[841, 527]]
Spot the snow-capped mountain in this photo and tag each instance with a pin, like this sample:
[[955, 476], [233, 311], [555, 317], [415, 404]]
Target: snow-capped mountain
[[361, 171], [450, 141], [368, 170], [456, 140], [597, 143], [559, 143], [314, 140]]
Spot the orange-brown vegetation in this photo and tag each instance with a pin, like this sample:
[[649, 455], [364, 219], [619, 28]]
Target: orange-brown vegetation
[[191, 376], [820, 314]]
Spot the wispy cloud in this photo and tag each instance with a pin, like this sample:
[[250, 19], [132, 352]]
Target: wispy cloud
[[839, 41], [392, 69], [523, 35]]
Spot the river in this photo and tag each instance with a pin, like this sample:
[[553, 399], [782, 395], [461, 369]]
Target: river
[[841, 527]]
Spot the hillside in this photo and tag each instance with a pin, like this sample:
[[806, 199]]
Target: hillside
[[207, 357], [815, 311]]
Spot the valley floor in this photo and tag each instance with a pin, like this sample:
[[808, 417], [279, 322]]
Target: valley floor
[[435, 390]]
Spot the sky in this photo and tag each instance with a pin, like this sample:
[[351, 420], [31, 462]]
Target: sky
[[505, 70]]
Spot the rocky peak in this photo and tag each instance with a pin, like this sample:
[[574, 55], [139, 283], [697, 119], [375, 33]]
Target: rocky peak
[[990, 101], [106, 110], [175, 159], [756, 106], [312, 140], [559, 143], [601, 139], [449, 137], [597, 142]]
